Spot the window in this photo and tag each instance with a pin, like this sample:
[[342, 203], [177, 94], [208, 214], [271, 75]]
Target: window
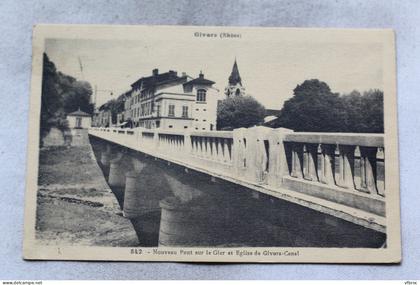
[[158, 110], [171, 112], [78, 123], [170, 126], [204, 120], [185, 111], [185, 127], [201, 95]]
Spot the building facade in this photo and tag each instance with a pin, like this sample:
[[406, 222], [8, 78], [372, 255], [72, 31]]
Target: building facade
[[79, 120], [168, 101]]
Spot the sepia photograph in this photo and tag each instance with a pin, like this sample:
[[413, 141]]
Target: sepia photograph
[[212, 144]]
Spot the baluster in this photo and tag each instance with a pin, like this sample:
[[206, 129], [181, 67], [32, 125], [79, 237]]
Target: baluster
[[368, 156], [310, 162], [220, 150], [200, 147], [305, 163], [296, 160], [320, 163], [210, 148], [177, 142], [167, 144], [346, 165], [214, 148], [337, 164], [380, 171], [226, 155], [328, 152], [195, 146], [207, 149], [171, 143], [182, 143], [357, 169]]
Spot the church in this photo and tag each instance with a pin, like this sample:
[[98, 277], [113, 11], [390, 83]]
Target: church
[[234, 87]]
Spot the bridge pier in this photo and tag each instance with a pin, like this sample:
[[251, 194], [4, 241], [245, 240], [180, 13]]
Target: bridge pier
[[106, 155], [145, 186], [117, 170], [186, 223]]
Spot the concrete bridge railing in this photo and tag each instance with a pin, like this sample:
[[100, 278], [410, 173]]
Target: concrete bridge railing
[[345, 170]]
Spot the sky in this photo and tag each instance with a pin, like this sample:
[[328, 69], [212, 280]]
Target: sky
[[269, 70]]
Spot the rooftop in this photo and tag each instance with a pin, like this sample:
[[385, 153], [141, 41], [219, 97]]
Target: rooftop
[[200, 80], [79, 113], [155, 79]]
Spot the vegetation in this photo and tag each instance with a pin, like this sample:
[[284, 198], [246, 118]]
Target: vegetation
[[115, 106], [238, 112], [315, 108], [61, 94]]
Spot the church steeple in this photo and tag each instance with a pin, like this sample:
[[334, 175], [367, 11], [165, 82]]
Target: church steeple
[[234, 87], [234, 77]]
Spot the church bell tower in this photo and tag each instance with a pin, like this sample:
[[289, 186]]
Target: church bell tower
[[234, 87]]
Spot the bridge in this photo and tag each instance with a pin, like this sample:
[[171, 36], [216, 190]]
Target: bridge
[[339, 175]]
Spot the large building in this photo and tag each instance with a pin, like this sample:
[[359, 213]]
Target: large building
[[168, 101], [234, 87]]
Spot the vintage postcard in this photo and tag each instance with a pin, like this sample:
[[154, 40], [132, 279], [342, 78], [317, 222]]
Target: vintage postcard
[[212, 144]]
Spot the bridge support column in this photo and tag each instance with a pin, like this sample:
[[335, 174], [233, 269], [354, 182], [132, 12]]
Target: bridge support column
[[117, 169], [144, 188], [106, 155], [185, 224]]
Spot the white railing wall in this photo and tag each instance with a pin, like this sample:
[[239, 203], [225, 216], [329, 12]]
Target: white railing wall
[[334, 166]]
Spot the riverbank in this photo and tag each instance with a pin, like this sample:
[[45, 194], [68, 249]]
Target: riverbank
[[75, 205]]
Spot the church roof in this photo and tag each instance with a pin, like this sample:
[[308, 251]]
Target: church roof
[[79, 113], [234, 77]]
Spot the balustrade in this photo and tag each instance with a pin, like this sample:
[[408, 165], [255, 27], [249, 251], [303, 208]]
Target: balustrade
[[350, 163]]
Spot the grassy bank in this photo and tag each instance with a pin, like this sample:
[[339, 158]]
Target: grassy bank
[[75, 206]]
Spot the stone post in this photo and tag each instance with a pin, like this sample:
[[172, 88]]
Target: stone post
[[256, 156], [277, 166]]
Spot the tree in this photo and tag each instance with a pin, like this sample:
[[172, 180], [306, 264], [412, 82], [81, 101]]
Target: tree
[[313, 108], [61, 94], [239, 111], [365, 112]]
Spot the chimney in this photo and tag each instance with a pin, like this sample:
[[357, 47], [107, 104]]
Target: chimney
[[155, 71]]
